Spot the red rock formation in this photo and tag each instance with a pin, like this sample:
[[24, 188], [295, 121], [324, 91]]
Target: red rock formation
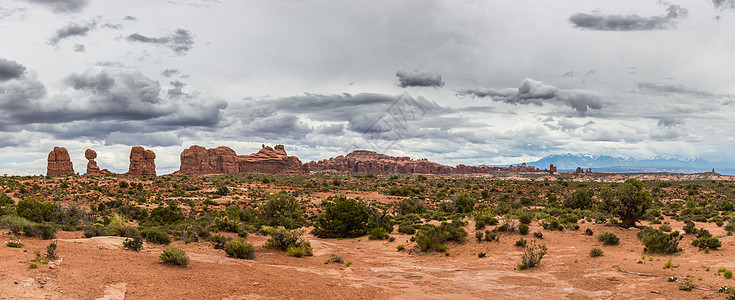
[[142, 162], [92, 168], [363, 161], [198, 160], [59, 162], [552, 169]]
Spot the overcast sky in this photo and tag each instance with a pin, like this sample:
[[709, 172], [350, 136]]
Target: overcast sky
[[472, 82]]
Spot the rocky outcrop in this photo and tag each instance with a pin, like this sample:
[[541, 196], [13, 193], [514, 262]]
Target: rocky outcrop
[[198, 160], [142, 162], [552, 169], [363, 161], [59, 162], [92, 168]]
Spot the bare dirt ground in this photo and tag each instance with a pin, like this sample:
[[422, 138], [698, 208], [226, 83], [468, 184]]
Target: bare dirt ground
[[98, 268]]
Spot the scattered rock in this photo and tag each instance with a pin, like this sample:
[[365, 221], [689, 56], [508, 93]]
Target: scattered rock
[[142, 162], [59, 162]]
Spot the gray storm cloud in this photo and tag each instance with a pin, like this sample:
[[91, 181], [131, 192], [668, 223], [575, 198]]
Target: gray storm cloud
[[71, 30], [10, 69], [419, 79], [96, 104], [62, 6], [723, 4], [180, 41], [604, 22], [538, 93]]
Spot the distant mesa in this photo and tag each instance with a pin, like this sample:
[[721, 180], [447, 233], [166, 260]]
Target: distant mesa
[[198, 160], [364, 161], [142, 162], [59, 163], [92, 168]]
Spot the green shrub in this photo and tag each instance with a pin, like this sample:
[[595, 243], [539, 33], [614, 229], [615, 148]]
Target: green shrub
[[730, 227], [135, 243], [174, 256], [538, 235], [334, 258], [480, 224], [284, 210], [479, 235], [411, 206], [595, 252], [656, 241], [464, 203], [532, 256], [589, 232], [727, 274], [481, 254], [14, 223], [525, 218], [400, 247], [51, 251], [342, 218], [378, 233], [406, 228], [580, 199], [552, 224], [156, 236], [282, 239], [93, 230], [523, 229], [690, 228], [240, 248], [44, 231], [665, 228], [608, 238], [492, 221], [491, 236], [710, 242], [219, 241], [224, 223], [300, 249], [521, 243], [431, 237]]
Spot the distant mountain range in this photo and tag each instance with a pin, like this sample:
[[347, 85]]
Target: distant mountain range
[[604, 163]]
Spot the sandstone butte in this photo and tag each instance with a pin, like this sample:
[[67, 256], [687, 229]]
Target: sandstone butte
[[364, 161], [142, 162], [92, 168], [198, 160], [59, 162]]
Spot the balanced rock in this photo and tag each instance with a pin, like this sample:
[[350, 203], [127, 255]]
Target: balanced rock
[[92, 168], [142, 162], [198, 160], [59, 162]]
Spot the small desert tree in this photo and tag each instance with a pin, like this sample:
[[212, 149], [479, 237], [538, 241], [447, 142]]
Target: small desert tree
[[628, 202], [284, 210], [342, 218], [581, 198]]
